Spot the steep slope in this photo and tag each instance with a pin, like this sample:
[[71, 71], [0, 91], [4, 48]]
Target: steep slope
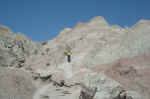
[[92, 43], [132, 73], [96, 48], [14, 48]]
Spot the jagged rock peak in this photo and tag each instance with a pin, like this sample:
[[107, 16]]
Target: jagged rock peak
[[143, 21], [5, 29], [140, 24], [98, 20]]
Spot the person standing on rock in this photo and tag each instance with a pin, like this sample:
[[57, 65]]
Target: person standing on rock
[[68, 54]]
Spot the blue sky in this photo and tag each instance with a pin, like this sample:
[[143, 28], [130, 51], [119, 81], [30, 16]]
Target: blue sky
[[42, 20]]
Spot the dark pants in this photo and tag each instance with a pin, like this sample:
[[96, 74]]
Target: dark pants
[[69, 58]]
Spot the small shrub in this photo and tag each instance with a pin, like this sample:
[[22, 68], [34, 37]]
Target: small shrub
[[47, 64]]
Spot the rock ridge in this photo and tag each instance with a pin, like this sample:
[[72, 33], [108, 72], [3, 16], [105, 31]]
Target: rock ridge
[[106, 62]]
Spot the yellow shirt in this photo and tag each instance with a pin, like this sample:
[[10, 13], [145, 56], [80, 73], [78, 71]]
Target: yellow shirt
[[68, 53]]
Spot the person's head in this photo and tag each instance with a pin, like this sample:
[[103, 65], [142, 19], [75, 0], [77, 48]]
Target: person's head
[[68, 48]]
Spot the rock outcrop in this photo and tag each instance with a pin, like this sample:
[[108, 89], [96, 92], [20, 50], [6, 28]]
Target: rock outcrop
[[14, 48], [107, 62]]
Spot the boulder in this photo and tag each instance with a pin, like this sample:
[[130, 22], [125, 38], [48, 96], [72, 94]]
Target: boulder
[[106, 87]]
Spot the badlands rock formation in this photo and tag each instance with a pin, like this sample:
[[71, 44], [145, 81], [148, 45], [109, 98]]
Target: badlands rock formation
[[107, 62]]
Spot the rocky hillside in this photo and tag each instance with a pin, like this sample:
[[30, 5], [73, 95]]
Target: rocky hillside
[[107, 62], [14, 48]]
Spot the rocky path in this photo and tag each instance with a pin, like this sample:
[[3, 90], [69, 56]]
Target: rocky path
[[67, 68], [55, 92]]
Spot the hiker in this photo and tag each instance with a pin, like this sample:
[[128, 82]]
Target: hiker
[[68, 54]]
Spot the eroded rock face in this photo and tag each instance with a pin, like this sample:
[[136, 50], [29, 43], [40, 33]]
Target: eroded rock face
[[132, 73], [99, 67], [14, 48]]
